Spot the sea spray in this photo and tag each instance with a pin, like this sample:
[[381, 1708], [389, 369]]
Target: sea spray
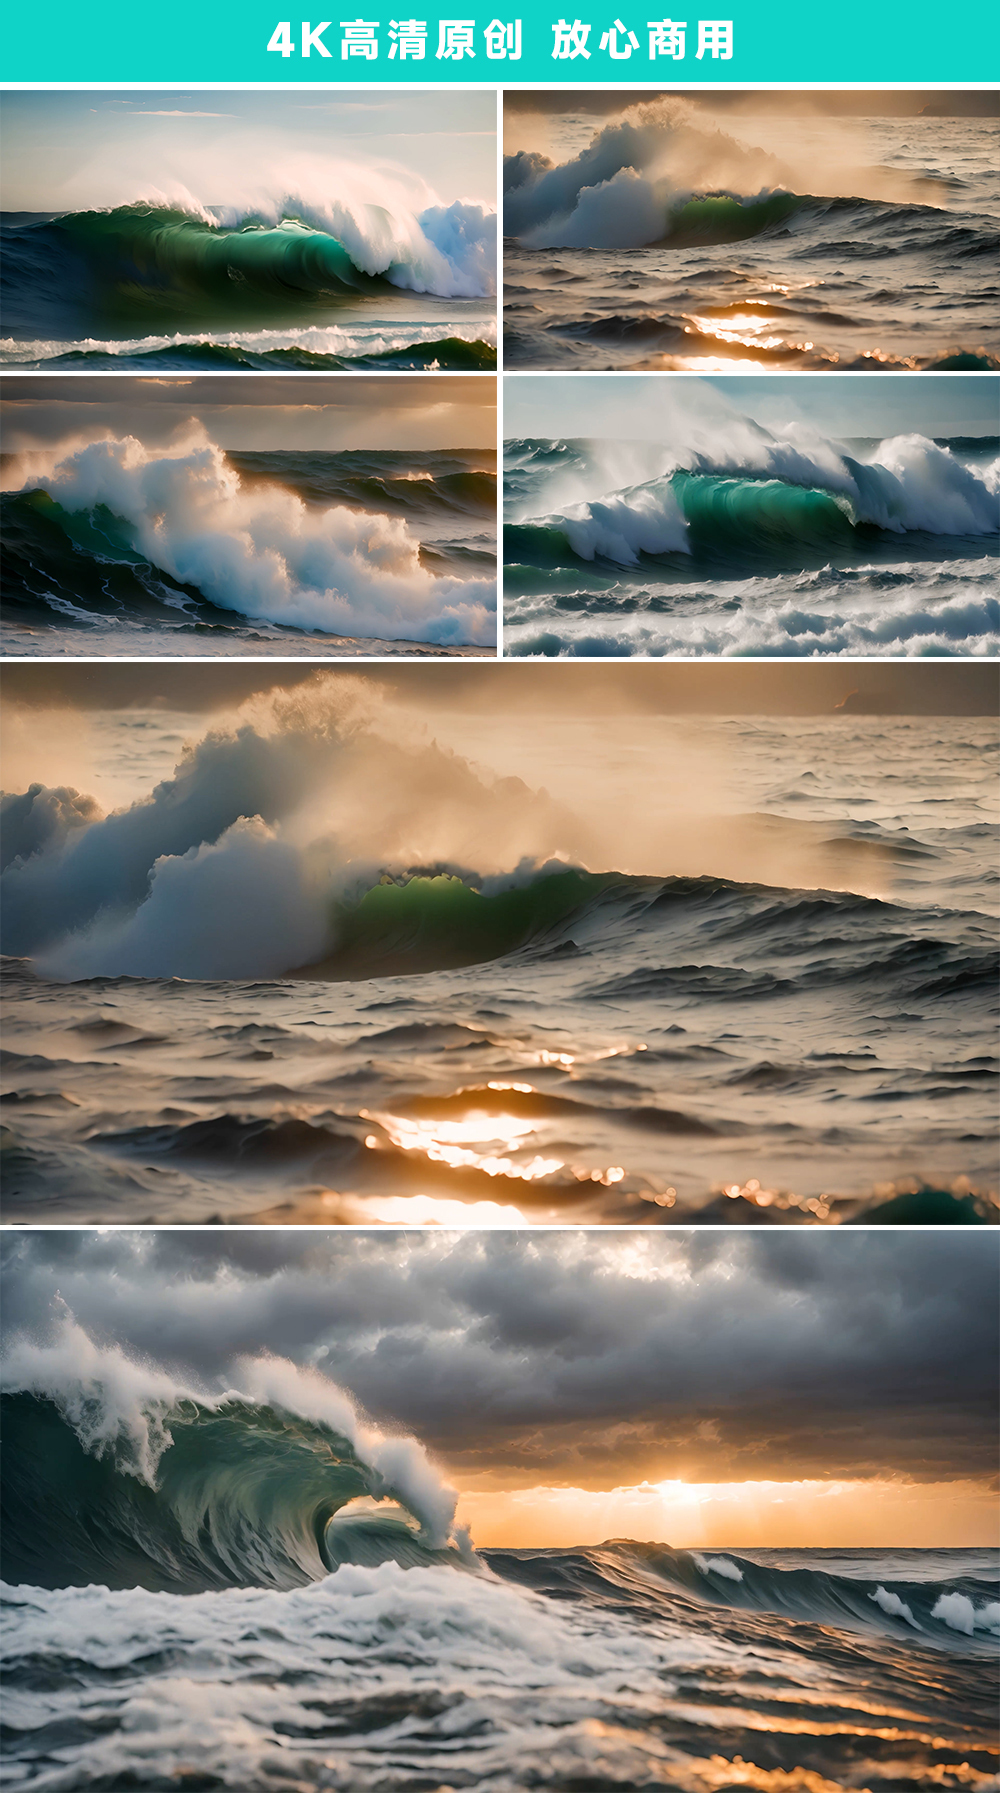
[[762, 490], [258, 550], [152, 264]]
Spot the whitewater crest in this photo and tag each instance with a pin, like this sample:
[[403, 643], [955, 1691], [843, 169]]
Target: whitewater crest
[[762, 492], [255, 550], [288, 255], [368, 852], [658, 174], [124, 1472]]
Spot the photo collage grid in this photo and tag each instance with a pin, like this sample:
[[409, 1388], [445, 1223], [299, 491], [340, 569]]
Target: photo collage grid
[[499, 1222]]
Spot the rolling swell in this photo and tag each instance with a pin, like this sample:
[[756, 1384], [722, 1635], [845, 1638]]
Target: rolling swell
[[440, 922], [719, 218], [422, 923], [962, 1613], [456, 354], [419, 485], [148, 264]]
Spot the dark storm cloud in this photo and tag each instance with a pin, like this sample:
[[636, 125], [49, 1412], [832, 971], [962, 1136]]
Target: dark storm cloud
[[582, 1358], [919, 688]]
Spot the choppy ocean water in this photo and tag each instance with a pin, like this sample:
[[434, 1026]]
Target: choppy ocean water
[[766, 545], [207, 1591], [326, 969], [116, 549], [666, 240]]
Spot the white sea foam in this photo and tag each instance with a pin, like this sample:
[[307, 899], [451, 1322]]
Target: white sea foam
[[894, 1606], [718, 1565], [960, 1614], [933, 609], [262, 552], [509, 1684]]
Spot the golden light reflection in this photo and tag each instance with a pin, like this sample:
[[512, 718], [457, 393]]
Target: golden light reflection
[[430, 1210], [762, 1197], [450, 1142], [743, 325], [592, 1056], [477, 1142], [711, 364]]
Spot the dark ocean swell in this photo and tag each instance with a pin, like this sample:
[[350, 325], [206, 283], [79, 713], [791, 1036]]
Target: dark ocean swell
[[960, 1613], [756, 941]]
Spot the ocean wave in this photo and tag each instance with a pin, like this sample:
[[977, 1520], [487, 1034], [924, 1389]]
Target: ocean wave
[[154, 263], [162, 914], [118, 1473], [113, 527], [945, 1614], [304, 800], [468, 348], [778, 500], [658, 175], [873, 611]]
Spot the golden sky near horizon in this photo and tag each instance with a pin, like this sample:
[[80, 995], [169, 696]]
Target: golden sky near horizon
[[812, 1514]]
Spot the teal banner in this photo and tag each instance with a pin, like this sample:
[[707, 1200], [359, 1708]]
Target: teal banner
[[634, 45]]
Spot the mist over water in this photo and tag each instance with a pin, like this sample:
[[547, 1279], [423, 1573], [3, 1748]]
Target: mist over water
[[455, 994], [665, 239]]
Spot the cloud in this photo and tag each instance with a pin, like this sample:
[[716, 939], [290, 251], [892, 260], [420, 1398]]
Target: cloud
[[576, 1358]]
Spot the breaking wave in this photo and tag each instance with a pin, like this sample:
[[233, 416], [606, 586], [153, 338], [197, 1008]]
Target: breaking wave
[[115, 528], [119, 1473], [366, 853], [778, 502], [147, 263], [657, 176]]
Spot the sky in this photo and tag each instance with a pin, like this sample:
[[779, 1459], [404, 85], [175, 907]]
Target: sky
[[75, 150], [850, 103], [283, 411], [710, 1387], [917, 687], [654, 407]]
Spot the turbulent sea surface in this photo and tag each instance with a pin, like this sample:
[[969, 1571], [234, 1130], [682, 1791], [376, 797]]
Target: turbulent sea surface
[[116, 549], [323, 972], [206, 1591], [149, 288], [772, 545], [661, 241]]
